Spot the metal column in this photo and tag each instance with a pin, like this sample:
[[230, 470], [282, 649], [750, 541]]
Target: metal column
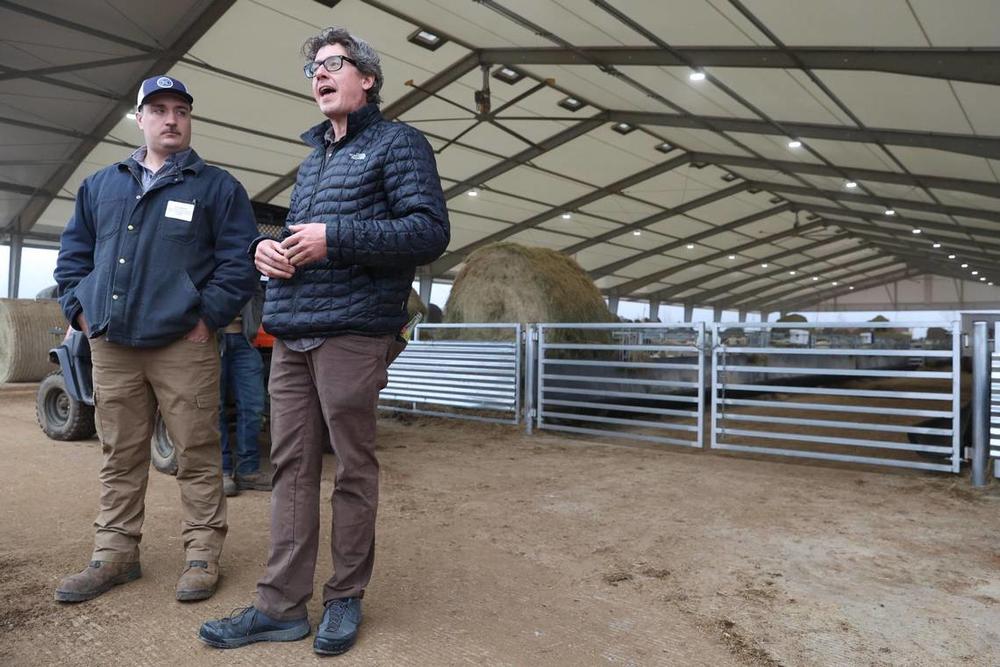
[[14, 265], [980, 403]]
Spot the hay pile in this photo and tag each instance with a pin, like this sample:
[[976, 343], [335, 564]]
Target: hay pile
[[28, 330], [508, 282]]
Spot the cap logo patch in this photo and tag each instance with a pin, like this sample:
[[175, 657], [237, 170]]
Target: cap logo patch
[[165, 82]]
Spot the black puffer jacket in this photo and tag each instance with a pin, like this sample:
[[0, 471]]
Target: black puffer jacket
[[379, 195]]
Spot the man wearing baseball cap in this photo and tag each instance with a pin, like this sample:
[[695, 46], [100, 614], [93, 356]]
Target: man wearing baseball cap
[[152, 262]]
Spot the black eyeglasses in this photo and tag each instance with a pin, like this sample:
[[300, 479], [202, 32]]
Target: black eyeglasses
[[332, 64]]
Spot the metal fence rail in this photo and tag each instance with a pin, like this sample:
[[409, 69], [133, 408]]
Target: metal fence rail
[[767, 378], [636, 381], [446, 372]]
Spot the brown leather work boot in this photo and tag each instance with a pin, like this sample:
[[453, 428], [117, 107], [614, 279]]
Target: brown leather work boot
[[98, 577], [198, 581]]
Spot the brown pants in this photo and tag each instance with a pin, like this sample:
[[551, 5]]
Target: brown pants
[[183, 379], [332, 388]]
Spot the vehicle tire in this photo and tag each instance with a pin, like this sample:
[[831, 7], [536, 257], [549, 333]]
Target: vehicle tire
[[60, 417], [162, 448]]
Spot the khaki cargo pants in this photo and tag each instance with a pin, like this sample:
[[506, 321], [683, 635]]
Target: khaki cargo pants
[[182, 378]]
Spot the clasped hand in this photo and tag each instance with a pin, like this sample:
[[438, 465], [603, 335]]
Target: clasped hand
[[307, 244]]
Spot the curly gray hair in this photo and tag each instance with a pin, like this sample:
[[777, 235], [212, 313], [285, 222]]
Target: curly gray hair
[[366, 57]]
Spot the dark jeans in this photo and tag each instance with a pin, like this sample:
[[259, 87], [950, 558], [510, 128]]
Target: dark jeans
[[243, 373]]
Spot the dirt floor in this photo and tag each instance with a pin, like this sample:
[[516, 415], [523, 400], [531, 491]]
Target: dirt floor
[[501, 549]]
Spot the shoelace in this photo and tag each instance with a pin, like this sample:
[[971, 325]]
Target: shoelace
[[337, 611], [236, 614]]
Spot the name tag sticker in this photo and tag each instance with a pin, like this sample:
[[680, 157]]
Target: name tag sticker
[[180, 210]]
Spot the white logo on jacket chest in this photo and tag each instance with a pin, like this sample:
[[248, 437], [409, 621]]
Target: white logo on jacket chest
[[358, 156]]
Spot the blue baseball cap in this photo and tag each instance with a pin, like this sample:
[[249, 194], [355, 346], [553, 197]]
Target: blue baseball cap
[[161, 84]]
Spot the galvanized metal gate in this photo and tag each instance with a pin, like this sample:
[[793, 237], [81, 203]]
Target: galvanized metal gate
[[765, 377], [447, 373], [636, 381]]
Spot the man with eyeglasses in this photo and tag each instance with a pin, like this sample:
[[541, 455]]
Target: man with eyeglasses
[[366, 210], [151, 263]]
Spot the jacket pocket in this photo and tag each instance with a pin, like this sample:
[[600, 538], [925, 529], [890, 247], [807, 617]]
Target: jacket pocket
[[174, 227], [108, 217]]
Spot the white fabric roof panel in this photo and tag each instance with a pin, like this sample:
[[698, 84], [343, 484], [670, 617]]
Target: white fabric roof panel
[[266, 103]]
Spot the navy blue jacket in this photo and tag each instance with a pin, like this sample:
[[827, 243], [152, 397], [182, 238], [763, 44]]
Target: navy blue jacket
[[143, 279], [378, 192]]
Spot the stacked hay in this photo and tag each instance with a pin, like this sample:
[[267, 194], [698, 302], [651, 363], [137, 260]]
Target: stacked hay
[[28, 330], [508, 282]]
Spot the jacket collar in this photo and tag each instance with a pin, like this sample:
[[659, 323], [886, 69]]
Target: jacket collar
[[191, 163], [356, 122]]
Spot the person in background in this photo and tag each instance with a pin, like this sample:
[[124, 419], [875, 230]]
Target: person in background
[[367, 209], [152, 262], [242, 374]]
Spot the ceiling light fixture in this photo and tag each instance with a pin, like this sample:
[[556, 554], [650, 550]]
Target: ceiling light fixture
[[795, 143], [473, 193], [851, 287], [690, 246], [637, 233], [965, 266], [508, 74], [850, 185], [936, 245], [664, 147], [566, 216], [623, 128], [982, 278], [917, 231], [951, 257], [764, 265], [834, 283], [426, 39], [732, 257], [696, 76], [571, 104], [815, 277], [975, 273], [890, 211], [791, 273]]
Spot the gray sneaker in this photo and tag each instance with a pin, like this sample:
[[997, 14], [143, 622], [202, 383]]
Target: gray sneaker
[[255, 481], [229, 486]]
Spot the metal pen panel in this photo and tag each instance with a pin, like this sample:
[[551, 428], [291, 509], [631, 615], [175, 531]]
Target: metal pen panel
[[445, 371], [642, 381], [871, 392]]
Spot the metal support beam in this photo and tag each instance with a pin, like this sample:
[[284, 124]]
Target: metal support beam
[[456, 256], [772, 301], [613, 304], [426, 285], [984, 188], [742, 315], [14, 265], [11, 73], [717, 313], [664, 294], [688, 312], [980, 146], [908, 222], [926, 207], [694, 238], [657, 217], [980, 404], [819, 297], [680, 288], [974, 65], [707, 295], [527, 154], [654, 310]]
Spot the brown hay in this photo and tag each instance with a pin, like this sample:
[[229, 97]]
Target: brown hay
[[509, 282]]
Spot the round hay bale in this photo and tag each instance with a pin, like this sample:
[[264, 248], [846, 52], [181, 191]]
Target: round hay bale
[[793, 317], [509, 282], [28, 330]]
